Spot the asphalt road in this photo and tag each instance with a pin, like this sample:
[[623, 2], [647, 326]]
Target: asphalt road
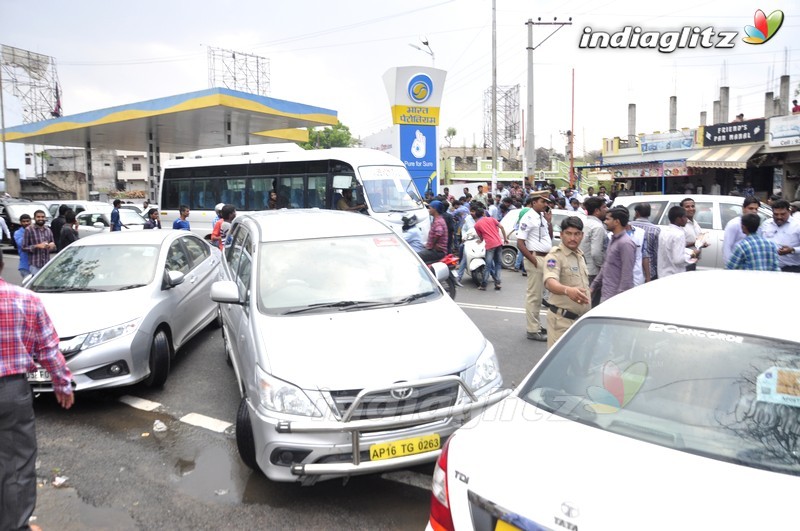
[[122, 474]]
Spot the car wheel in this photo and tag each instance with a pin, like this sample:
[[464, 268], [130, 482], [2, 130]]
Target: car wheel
[[159, 360], [244, 436], [508, 256], [218, 320], [227, 346]]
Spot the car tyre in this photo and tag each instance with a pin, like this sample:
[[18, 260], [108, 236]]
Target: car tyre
[[218, 319], [508, 257], [245, 441], [160, 353]]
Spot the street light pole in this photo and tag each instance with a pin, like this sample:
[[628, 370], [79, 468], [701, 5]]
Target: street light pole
[[429, 51]]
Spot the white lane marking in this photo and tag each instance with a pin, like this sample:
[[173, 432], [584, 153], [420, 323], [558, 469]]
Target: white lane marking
[[415, 479], [139, 403], [201, 421], [507, 309]]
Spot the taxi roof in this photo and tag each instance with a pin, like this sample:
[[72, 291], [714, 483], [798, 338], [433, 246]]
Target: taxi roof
[[712, 299]]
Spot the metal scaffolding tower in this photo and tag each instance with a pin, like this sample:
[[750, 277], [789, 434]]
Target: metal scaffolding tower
[[508, 118], [32, 78], [238, 71]]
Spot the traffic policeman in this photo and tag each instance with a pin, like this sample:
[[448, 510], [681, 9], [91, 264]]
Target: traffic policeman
[[567, 279]]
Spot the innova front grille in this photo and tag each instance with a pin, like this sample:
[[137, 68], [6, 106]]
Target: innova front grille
[[382, 404]]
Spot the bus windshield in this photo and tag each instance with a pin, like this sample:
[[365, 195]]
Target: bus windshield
[[390, 189]]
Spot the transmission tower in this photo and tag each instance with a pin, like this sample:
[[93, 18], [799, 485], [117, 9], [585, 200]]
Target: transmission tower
[[238, 71], [508, 117], [32, 78]]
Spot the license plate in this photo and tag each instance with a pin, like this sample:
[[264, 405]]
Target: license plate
[[39, 375], [416, 445], [505, 526]]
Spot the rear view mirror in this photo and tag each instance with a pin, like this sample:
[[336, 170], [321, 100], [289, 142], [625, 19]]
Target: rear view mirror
[[342, 182]]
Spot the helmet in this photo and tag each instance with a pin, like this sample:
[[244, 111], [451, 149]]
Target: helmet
[[219, 207], [409, 221]]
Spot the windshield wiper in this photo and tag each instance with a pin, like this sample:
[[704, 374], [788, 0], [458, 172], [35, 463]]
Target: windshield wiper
[[414, 297], [69, 290], [131, 286], [341, 305]]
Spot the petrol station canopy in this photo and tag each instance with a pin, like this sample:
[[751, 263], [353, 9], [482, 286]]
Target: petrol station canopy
[[211, 118]]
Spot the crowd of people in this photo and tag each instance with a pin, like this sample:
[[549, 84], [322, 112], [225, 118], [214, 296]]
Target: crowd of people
[[603, 251]]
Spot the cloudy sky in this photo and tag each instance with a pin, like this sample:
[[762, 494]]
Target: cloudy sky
[[333, 54]]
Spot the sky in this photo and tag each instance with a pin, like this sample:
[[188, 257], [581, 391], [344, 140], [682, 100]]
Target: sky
[[334, 54]]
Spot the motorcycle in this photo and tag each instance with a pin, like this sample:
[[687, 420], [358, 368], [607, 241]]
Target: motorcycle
[[475, 255], [446, 277]]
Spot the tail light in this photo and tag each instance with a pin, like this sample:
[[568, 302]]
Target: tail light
[[450, 260], [440, 518]]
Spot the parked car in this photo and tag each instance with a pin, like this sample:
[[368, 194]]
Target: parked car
[[326, 318], [124, 303], [12, 209], [75, 205], [642, 416], [95, 222], [509, 254], [713, 213]]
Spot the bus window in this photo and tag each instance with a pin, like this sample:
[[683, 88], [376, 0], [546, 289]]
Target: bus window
[[260, 187], [317, 191], [232, 192], [290, 192]]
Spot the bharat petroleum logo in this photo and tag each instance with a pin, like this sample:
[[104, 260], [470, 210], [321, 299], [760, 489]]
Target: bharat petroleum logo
[[765, 27], [619, 387], [420, 88]]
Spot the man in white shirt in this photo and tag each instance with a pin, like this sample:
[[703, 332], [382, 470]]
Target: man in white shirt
[[733, 229], [795, 208], [673, 255], [692, 229], [784, 232], [595, 237], [534, 241], [637, 235]]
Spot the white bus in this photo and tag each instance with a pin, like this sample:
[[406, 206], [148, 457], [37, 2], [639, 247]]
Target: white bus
[[301, 178]]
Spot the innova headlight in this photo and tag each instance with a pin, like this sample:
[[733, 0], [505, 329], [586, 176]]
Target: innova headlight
[[486, 368], [282, 397]]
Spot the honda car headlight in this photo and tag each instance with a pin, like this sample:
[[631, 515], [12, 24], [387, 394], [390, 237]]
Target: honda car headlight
[[98, 337], [283, 397], [486, 368]]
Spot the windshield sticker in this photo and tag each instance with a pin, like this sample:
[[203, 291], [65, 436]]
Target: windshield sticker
[[389, 241], [619, 387], [779, 386], [694, 332]]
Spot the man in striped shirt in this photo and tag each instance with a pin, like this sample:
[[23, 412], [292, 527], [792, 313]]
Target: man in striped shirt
[[26, 333], [754, 252], [38, 242]]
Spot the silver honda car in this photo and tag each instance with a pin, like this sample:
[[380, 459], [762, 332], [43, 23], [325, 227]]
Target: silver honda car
[[340, 339], [123, 303]]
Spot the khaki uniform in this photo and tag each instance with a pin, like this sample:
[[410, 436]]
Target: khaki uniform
[[569, 268]]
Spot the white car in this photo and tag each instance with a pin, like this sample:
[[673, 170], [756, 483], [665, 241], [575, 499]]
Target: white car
[[509, 254], [339, 338], [100, 221], [123, 303], [713, 213], [654, 411]]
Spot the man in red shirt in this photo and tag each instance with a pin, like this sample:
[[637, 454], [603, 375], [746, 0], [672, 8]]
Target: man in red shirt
[[436, 247], [488, 230], [25, 332]]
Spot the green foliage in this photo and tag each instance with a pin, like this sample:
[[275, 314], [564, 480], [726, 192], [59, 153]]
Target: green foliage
[[451, 132], [329, 137]]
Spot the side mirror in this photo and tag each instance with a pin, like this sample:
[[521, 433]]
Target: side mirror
[[98, 225], [225, 291], [174, 278]]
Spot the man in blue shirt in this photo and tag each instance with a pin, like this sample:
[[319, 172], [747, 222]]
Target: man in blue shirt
[[754, 252], [24, 267], [116, 224], [181, 223]]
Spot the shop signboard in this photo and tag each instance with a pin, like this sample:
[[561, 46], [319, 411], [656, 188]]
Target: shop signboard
[[746, 132], [784, 131], [667, 141]]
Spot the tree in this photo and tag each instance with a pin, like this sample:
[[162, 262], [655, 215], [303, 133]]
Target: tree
[[451, 132], [328, 137], [591, 157]]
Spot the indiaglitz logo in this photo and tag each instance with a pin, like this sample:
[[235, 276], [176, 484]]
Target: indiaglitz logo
[[686, 37], [619, 387], [765, 27], [420, 88]]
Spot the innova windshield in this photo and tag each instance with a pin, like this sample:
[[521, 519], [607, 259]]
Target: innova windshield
[[390, 189], [724, 395], [334, 274]]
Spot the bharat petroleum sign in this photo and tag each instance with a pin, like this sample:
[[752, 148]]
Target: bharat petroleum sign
[[415, 95]]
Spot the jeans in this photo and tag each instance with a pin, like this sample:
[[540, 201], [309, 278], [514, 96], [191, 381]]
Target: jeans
[[519, 262], [462, 264], [493, 265]]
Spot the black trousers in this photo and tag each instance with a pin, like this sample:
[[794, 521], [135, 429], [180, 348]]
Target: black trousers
[[791, 269], [17, 453]]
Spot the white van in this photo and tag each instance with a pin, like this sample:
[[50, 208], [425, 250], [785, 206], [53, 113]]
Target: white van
[[338, 335]]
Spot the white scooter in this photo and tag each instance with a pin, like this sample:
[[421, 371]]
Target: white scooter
[[475, 254]]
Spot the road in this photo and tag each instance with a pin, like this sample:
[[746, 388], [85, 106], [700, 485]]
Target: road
[[122, 474]]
